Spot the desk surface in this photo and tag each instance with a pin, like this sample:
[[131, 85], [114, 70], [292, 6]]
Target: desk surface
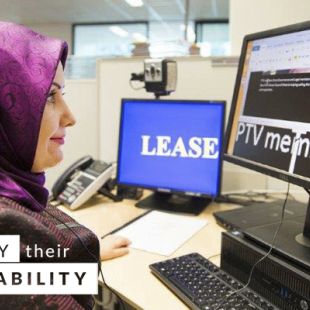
[[130, 275]]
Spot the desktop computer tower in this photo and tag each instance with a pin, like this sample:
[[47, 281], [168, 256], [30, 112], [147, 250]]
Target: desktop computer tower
[[279, 281]]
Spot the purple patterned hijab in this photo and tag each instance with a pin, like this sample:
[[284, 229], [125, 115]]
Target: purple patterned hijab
[[28, 63]]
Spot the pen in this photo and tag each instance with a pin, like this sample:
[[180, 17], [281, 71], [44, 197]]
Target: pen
[[126, 224]]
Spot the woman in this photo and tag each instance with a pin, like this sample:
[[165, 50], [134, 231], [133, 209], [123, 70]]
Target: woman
[[33, 119]]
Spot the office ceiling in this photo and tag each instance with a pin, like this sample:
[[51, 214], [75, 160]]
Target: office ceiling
[[76, 11]]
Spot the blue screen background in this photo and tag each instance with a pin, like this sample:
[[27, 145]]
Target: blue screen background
[[176, 119]]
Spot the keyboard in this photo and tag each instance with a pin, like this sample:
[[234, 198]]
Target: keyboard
[[202, 285]]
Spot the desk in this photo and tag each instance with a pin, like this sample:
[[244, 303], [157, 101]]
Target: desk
[[130, 275]]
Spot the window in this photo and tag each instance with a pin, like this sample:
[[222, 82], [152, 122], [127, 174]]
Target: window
[[167, 38], [213, 37], [109, 39]]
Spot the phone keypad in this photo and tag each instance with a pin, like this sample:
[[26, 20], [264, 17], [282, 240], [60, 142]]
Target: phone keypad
[[82, 181], [75, 188]]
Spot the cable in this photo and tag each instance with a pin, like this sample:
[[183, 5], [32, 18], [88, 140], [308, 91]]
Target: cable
[[135, 88], [91, 254], [104, 303], [212, 256], [265, 256]]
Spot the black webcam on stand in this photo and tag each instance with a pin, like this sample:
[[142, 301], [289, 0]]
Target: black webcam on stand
[[159, 76]]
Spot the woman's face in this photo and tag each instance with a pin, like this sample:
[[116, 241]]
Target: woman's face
[[56, 117]]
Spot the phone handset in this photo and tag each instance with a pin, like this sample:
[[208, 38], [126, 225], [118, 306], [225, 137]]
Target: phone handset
[[81, 181]]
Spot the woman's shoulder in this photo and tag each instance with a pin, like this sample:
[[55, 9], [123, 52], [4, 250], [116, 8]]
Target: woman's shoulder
[[8, 202], [15, 215], [50, 216], [9, 208], [49, 227]]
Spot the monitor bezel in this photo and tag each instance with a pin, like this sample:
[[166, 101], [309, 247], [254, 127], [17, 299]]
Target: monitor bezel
[[267, 170], [171, 190]]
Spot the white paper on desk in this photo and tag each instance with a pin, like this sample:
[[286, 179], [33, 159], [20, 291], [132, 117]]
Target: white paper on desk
[[161, 232]]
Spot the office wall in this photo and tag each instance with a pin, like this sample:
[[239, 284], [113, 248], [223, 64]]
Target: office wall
[[197, 79], [249, 16], [82, 139], [62, 31]]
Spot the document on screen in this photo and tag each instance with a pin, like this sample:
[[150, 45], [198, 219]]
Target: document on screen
[[161, 232]]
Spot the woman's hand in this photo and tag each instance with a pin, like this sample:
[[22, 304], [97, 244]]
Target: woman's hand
[[113, 246]]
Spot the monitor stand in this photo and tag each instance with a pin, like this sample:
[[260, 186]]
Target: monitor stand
[[174, 203], [293, 239]]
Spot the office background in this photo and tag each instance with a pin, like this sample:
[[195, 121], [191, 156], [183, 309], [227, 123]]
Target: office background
[[95, 85]]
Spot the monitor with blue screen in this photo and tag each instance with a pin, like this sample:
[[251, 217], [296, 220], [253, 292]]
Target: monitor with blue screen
[[173, 147]]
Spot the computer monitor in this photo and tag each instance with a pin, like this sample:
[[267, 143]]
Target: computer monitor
[[269, 125], [173, 147]]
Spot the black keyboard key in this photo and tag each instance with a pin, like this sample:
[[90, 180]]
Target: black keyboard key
[[181, 286]]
